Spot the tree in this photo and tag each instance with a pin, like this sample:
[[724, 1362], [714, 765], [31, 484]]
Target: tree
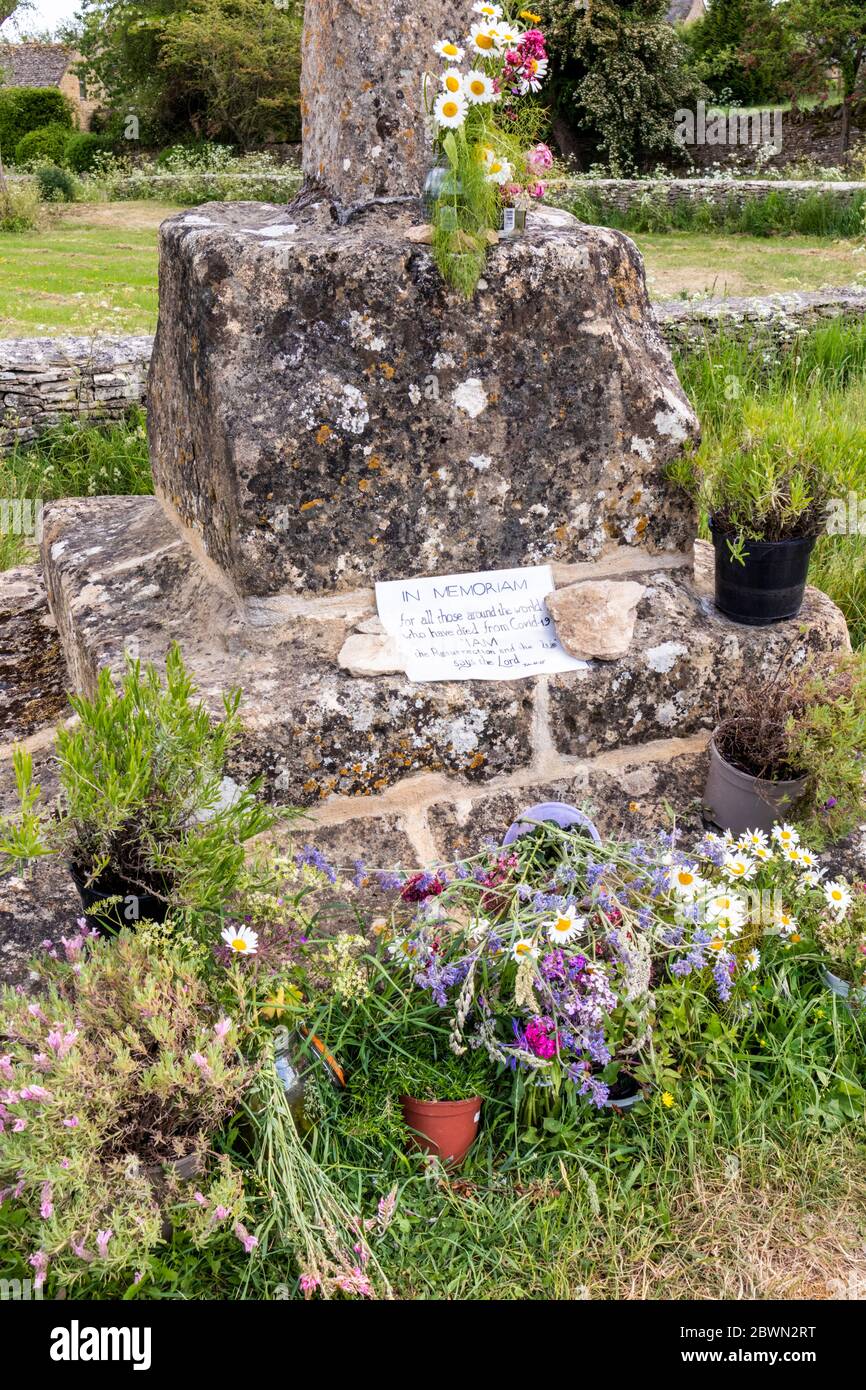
[[743, 51], [240, 61], [833, 34], [225, 69], [620, 72]]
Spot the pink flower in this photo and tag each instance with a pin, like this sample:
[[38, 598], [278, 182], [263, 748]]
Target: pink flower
[[219, 1214], [35, 1093], [356, 1282], [6, 1066], [537, 190], [540, 157], [247, 1241], [79, 1249], [61, 1042], [222, 1028], [35, 1012], [72, 1122], [308, 1284], [202, 1063], [18, 1126], [46, 1210], [102, 1239], [201, 1199], [42, 1061], [39, 1261], [538, 1041]]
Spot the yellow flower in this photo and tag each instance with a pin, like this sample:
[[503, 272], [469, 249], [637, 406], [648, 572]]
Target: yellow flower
[[667, 1099], [527, 14]]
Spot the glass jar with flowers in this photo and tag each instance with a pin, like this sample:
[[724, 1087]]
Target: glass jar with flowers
[[484, 118]]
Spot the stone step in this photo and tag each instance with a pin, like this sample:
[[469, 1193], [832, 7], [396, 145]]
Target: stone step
[[121, 578]]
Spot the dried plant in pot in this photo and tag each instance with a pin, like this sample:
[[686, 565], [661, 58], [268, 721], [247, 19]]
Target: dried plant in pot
[[792, 743], [146, 818]]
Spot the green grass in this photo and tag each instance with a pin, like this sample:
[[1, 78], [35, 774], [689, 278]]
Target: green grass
[[777, 214], [824, 375], [688, 264], [73, 460], [88, 271]]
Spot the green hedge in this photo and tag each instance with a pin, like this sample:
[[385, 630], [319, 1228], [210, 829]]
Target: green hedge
[[82, 149], [48, 142], [23, 109]]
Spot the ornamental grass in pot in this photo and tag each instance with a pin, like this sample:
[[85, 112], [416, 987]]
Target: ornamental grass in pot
[[764, 489], [792, 743], [146, 818]]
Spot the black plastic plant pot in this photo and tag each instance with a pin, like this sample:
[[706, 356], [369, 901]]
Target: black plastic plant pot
[[133, 905], [768, 586]]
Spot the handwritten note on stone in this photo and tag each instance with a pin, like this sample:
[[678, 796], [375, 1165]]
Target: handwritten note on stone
[[492, 625]]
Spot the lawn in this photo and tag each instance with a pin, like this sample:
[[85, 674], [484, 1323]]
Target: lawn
[[93, 268], [696, 263]]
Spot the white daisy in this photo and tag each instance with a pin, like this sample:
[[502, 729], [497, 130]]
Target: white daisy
[[739, 867], [241, 939], [479, 88], [483, 39], [452, 81], [791, 854], [810, 879], [524, 949], [838, 896], [762, 853], [752, 840], [498, 171], [807, 858], [450, 111], [726, 905], [751, 960], [506, 35], [447, 49], [685, 882], [534, 75], [786, 835], [487, 11], [566, 926], [403, 948], [787, 924]]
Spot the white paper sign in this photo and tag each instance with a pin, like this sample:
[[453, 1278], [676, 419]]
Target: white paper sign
[[492, 625]]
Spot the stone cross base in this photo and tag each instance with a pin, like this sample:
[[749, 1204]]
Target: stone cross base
[[324, 412], [399, 773]]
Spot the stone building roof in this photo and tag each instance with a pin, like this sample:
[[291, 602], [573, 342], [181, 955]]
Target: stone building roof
[[684, 11], [34, 64]]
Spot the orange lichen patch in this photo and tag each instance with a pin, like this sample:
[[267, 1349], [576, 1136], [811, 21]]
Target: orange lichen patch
[[477, 760], [316, 502], [374, 540], [642, 525], [363, 484], [309, 786], [323, 434], [374, 462], [386, 369], [636, 496], [561, 533]]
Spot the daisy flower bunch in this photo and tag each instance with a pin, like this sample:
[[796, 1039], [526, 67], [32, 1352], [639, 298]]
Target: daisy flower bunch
[[475, 103]]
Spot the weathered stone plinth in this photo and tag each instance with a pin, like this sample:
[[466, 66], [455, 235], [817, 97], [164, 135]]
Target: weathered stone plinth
[[379, 757], [324, 412]]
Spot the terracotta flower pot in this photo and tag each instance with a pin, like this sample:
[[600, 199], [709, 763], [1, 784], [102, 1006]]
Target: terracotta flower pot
[[737, 801], [446, 1128]]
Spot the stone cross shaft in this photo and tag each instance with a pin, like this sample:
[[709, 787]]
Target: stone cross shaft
[[365, 131]]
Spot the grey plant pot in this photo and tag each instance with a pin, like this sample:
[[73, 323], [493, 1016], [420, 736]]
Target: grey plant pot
[[736, 801], [843, 990]]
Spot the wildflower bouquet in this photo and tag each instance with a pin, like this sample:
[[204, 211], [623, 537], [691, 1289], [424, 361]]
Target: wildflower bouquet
[[483, 125], [550, 957]]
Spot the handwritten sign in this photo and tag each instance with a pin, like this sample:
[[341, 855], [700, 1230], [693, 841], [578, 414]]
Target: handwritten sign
[[489, 626]]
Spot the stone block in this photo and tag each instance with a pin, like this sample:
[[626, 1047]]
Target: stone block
[[325, 412]]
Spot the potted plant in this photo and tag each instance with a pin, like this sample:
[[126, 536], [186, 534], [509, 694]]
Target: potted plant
[[765, 488], [146, 817], [789, 742], [440, 1094]]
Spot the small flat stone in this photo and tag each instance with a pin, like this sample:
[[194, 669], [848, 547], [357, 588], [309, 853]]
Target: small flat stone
[[370, 654], [595, 619], [422, 234]]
